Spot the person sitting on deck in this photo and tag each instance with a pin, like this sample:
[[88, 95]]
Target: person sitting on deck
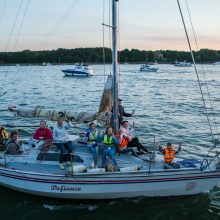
[[3, 137], [60, 137], [91, 140], [169, 153], [13, 144], [110, 142], [45, 135], [132, 141], [123, 145]]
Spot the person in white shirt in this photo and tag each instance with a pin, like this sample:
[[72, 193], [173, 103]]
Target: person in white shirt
[[132, 141], [60, 137]]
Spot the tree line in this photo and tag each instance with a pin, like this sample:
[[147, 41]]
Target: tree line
[[95, 55]]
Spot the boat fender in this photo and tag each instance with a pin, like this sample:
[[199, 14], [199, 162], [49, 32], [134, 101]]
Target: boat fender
[[96, 170], [133, 168], [77, 168]]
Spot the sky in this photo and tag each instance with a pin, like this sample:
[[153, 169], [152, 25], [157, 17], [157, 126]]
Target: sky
[[143, 24]]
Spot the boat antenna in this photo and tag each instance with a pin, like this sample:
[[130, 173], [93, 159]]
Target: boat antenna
[[197, 75], [115, 63]]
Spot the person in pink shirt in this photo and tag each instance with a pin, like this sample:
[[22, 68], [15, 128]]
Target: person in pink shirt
[[45, 135]]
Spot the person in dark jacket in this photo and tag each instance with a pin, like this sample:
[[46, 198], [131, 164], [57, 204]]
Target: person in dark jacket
[[13, 145], [122, 113]]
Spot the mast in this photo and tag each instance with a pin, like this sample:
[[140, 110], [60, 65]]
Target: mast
[[115, 63]]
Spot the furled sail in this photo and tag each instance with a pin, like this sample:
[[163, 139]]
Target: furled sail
[[107, 98], [75, 117], [103, 116]]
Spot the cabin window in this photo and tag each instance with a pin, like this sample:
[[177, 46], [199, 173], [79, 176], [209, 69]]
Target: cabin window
[[55, 157]]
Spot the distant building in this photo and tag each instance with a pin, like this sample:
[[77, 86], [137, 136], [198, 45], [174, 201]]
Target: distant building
[[158, 55]]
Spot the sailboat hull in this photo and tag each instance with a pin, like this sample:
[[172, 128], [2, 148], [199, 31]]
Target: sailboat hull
[[111, 185]]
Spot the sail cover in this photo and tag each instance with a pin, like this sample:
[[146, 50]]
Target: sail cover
[[103, 116], [75, 117]]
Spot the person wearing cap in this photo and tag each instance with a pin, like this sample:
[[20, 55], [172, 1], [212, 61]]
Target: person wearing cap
[[122, 113], [169, 153]]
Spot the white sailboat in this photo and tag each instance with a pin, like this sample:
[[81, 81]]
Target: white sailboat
[[36, 173]]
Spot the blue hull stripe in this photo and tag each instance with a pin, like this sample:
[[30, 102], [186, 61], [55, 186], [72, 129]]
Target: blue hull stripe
[[110, 181]]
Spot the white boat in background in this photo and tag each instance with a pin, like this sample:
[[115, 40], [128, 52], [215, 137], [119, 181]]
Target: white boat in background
[[183, 64], [153, 63], [36, 172], [148, 68], [216, 63], [79, 70]]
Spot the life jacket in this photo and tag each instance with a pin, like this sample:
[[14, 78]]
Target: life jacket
[[93, 137], [4, 134], [108, 141], [169, 154], [123, 144]]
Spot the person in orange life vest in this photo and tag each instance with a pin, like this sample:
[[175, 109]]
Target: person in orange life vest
[[91, 140], [123, 145], [169, 153], [132, 141]]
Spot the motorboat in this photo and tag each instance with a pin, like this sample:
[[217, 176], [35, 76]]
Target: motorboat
[[183, 64], [216, 63], [148, 68], [79, 70]]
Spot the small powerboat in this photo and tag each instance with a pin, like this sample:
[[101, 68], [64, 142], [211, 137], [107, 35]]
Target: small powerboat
[[148, 68], [182, 64], [79, 70]]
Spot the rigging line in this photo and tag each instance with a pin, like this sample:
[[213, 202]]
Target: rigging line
[[103, 38], [13, 26], [21, 24], [203, 72], [119, 49], [57, 25], [8, 41], [3, 12], [109, 21], [194, 64]]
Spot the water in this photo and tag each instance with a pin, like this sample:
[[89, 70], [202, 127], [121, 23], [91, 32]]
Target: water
[[167, 106]]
